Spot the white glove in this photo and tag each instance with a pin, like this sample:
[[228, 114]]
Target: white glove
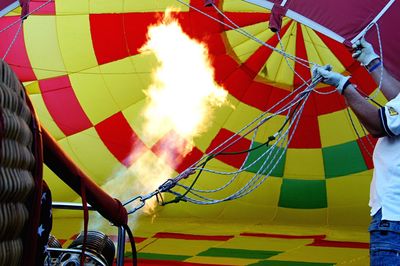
[[364, 52], [331, 78]]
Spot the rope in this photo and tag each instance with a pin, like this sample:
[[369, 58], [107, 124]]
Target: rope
[[24, 17], [373, 96], [245, 33], [257, 179], [13, 40], [358, 135], [287, 61], [237, 134]]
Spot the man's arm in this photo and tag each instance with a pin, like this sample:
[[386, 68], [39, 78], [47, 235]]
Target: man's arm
[[390, 86], [367, 113]]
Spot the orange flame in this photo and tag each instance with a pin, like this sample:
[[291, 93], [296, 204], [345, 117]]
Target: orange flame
[[181, 99]]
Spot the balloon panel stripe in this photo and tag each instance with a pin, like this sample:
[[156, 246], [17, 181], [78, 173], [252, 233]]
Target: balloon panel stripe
[[116, 36], [243, 19], [304, 164], [43, 46], [257, 60], [307, 134], [303, 194], [328, 103], [254, 155], [48, 9], [258, 94], [242, 144], [17, 57], [120, 139], [338, 244], [340, 51], [359, 73], [63, 105], [238, 253], [168, 144], [237, 83], [194, 23], [108, 37], [88, 150], [191, 158], [169, 235], [275, 96], [46, 119], [363, 80], [224, 66], [335, 129], [301, 52], [343, 159], [367, 150]]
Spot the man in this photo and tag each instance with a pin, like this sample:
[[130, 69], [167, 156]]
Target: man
[[383, 123]]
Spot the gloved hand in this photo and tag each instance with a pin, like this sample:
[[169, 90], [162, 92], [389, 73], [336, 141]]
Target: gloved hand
[[364, 52], [331, 78]]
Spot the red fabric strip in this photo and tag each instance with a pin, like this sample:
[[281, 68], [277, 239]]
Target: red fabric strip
[[17, 57], [243, 19], [120, 139], [239, 145], [338, 244], [189, 159], [257, 60], [307, 133], [48, 9], [267, 235], [366, 149], [116, 36], [359, 74], [301, 52], [170, 148], [63, 105], [191, 237]]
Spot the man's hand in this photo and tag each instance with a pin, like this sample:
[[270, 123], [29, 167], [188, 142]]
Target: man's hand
[[364, 52], [330, 77]]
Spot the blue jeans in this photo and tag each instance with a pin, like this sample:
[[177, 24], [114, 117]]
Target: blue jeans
[[384, 241]]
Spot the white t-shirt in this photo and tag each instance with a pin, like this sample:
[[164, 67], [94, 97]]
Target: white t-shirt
[[385, 185]]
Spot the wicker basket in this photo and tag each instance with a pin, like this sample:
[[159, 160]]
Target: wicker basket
[[16, 165]]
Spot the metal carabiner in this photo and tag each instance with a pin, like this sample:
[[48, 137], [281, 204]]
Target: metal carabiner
[[139, 206]]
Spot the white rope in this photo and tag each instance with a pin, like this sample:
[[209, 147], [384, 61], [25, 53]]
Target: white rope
[[255, 182], [237, 134], [273, 154], [241, 31], [287, 62], [24, 17], [373, 96], [257, 179], [285, 108], [13, 41], [252, 37], [269, 151]]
